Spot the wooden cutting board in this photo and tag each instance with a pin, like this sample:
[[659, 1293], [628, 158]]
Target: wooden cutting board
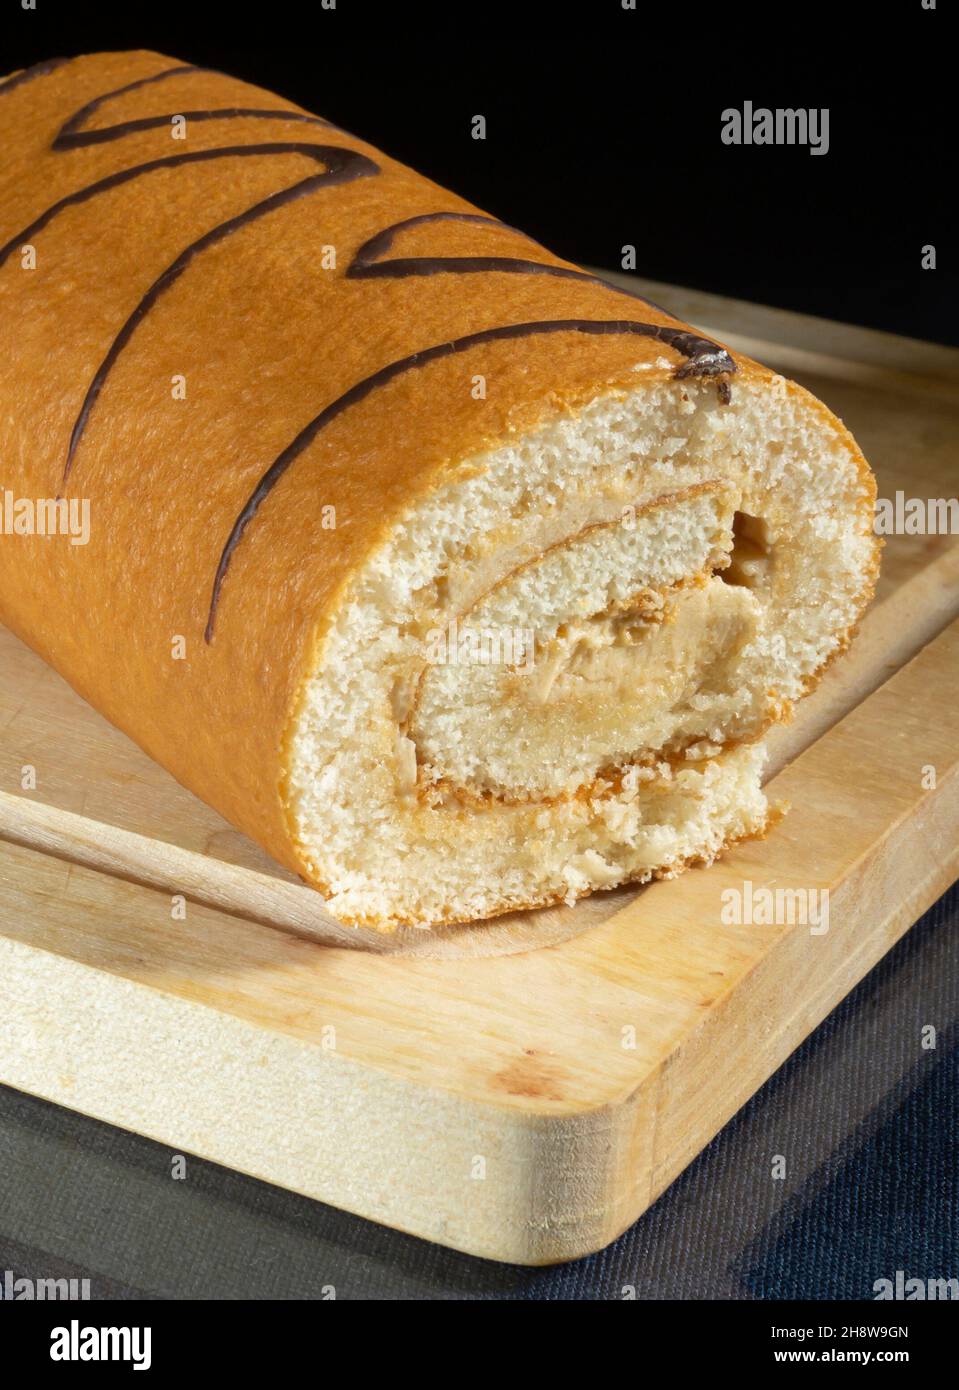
[[522, 1090]]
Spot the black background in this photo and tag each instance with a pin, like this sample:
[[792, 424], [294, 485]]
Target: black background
[[603, 126], [603, 129]]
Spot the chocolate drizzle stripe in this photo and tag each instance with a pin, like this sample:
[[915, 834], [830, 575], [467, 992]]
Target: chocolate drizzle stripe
[[29, 74], [368, 264], [79, 118], [342, 166], [71, 135], [171, 161], [683, 341], [100, 137]]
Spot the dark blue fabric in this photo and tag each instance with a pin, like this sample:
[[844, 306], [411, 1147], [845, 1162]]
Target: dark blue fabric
[[893, 1206]]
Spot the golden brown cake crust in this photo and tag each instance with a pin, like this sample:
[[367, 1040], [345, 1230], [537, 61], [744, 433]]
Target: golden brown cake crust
[[263, 333]]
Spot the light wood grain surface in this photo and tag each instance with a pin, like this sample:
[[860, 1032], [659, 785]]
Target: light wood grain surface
[[526, 1097]]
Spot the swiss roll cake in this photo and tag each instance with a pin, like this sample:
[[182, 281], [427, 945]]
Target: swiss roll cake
[[457, 578]]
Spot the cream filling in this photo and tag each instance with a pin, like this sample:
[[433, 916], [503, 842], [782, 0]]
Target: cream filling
[[615, 647]]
